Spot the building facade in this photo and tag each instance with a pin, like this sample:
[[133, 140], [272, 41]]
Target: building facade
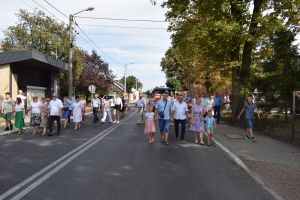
[[35, 73]]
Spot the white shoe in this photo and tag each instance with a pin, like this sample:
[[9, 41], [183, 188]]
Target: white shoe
[[114, 122], [118, 122]]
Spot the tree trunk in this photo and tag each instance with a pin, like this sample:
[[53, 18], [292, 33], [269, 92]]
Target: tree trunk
[[240, 81]]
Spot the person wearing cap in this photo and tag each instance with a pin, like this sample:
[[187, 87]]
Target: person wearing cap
[[55, 109], [162, 113]]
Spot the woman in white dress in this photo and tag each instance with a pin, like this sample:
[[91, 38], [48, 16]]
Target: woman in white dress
[[77, 112]]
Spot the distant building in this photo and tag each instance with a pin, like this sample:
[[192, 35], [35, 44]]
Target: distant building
[[35, 73]]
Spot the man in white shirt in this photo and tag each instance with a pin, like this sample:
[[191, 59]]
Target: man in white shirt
[[209, 104], [179, 113], [118, 107], [96, 107], [55, 108], [141, 105]]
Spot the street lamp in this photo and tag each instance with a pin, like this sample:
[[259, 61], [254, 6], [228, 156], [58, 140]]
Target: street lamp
[[125, 74], [71, 21]]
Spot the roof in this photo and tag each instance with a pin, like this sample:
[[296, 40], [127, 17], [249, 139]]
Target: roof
[[119, 85], [19, 56]]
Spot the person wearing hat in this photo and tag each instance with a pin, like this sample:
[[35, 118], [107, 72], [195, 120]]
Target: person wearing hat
[[55, 109]]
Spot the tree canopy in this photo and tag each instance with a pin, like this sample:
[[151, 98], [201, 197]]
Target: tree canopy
[[221, 42], [37, 31], [131, 83]]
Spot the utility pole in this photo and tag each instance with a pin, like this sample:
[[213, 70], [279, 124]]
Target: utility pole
[[136, 84], [125, 74], [71, 24], [71, 17]]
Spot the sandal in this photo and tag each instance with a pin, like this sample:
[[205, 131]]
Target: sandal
[[201, 143]]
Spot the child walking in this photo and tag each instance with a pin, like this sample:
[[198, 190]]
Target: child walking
[[150, 124], [210, 125]]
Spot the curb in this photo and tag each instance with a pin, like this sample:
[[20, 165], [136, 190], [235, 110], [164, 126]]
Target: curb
[[242, 165], [26, 128]]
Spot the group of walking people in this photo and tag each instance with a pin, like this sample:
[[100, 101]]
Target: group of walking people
[[200, 115], [45, 111]]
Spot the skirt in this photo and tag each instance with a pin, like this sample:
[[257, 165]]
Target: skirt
[[19, 120], [65, 114], [35, 119], [149, 126], [44, 122]]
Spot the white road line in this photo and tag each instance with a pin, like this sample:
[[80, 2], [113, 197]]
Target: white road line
[[26, 181]]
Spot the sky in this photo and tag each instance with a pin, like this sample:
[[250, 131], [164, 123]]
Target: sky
[[118, 42]]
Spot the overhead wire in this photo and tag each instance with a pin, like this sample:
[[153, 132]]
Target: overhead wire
[[56, 9], [88, 37], [125, 27], [123, 19], [48, 11], [85, 34]]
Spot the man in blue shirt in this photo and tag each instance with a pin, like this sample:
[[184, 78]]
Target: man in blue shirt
[[163, 110], [70, 101], [141, 105], [249, 108], [217, 106]]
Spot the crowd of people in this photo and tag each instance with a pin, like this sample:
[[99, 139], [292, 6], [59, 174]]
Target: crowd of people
[[202, 114], [45, 111]]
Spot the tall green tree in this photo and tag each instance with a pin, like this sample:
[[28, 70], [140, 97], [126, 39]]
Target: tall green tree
[[131, 83], [220, 37], [279, 75]]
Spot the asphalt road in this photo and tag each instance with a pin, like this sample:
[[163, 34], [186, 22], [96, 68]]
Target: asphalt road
[[105, 161]]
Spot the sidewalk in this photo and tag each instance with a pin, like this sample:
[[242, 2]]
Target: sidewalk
[[274, 163]]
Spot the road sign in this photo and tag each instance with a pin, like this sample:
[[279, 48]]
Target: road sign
[[92, 89]]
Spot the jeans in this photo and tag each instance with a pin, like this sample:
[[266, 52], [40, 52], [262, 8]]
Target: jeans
[[105, 113], [176, 124], [218, 113], [52, 119], [95, 113], [141, 113], [164, 125]]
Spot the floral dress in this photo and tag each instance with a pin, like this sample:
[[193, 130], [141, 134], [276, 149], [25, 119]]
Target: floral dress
[[198, 125]]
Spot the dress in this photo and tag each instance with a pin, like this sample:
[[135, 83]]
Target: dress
[[19, 118], [66, 111], [198, 125], [35, 119], [77, 112], [149, 123], [44, 113]]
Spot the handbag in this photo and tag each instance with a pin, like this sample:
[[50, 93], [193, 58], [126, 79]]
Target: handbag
[[162, 113]]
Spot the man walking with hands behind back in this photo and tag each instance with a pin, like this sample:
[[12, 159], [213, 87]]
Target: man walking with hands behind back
[[141, 105], [179, 113]]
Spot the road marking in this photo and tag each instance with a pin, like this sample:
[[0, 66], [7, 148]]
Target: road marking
[[85, 146]]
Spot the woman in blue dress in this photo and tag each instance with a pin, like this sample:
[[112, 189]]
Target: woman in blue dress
[[66, 112], [198, 121]]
